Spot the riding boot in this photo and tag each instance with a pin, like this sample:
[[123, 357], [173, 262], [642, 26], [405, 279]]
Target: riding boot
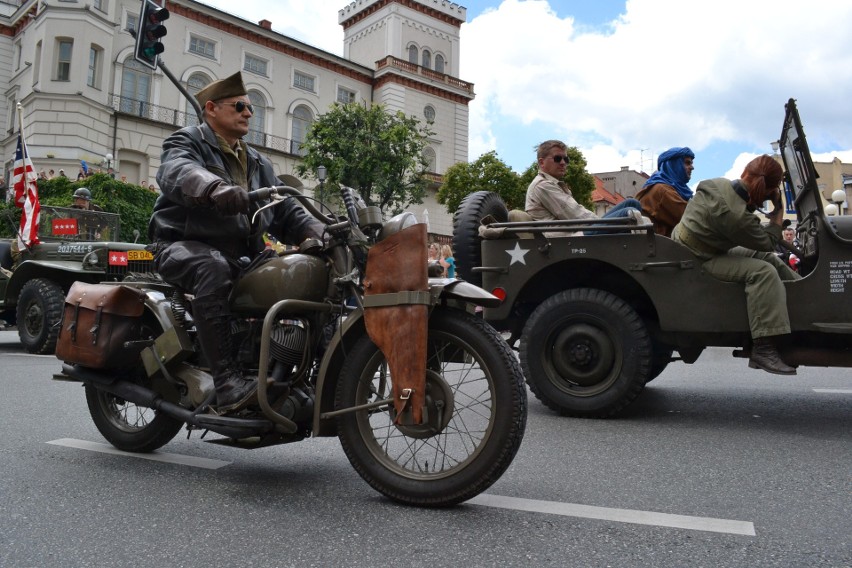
[[212, 322], [764, 355]]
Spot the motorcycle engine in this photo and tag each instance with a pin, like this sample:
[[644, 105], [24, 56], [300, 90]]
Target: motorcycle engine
[[287, 342]]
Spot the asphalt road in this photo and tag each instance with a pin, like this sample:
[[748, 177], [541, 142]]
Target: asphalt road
[[715, 465]]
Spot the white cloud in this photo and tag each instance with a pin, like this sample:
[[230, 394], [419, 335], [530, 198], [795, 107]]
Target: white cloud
[[667, 73]]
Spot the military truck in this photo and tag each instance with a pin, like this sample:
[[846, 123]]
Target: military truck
[[600, 316], [76, 244]]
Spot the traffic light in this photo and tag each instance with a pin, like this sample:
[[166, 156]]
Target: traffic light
[[151, 29]]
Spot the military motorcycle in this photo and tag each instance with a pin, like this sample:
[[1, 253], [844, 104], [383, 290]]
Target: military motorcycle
[[301, 324]]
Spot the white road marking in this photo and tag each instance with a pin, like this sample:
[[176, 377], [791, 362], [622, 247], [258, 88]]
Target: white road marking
[[834, 391], [617, 515], [179, 459]]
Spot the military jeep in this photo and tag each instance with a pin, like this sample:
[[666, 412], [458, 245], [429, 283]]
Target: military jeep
[[599, 316], [75, 245]]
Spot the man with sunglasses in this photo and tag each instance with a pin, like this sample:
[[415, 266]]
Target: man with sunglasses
[[549, 198], [201, 226]]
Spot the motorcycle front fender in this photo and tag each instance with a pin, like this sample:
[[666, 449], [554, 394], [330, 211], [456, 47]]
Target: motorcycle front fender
[[459, 290]]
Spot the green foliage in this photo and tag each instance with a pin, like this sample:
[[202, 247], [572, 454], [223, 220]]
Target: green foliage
[[581, 183], [378, 153], [133, 203], [487, 173]]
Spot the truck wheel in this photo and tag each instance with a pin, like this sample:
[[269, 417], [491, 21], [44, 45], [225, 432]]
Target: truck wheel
[[585, 353], [39, 313], [660, 359], [466, 240]]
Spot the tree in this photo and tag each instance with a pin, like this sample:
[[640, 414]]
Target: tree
[[487, 173], [378, 153], [581, 183]]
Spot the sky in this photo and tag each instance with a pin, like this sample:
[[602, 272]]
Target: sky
[[624, 80]]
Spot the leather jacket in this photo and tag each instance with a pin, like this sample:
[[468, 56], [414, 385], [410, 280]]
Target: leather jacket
[[192, 165]]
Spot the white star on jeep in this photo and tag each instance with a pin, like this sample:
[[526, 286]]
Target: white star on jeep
[[517, 254]]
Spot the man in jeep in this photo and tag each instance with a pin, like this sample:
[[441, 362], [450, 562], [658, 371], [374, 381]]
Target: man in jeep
[[549, 198], [719, 226]]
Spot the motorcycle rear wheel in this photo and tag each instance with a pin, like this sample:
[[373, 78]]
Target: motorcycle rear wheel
[[129, 427], [477, 377]]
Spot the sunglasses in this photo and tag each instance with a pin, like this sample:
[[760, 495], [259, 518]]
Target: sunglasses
[[559, 159], [240, 106]]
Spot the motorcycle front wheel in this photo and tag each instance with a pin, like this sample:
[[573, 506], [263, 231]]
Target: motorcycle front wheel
[[477, 409]]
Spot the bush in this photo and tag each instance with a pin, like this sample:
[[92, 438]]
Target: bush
[[132, 202]]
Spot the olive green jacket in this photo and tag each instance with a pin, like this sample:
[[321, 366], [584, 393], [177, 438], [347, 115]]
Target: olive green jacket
[[716, 219]]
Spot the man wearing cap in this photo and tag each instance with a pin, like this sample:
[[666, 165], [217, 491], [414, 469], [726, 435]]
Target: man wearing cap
[[665, 194], [201, 226]]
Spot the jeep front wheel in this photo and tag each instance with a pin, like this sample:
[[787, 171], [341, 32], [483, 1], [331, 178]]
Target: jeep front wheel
[[39, 312], [585, 353]]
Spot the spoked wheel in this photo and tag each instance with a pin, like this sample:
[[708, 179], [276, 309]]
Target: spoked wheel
[[476, 408], [126, 425], [585, 353]]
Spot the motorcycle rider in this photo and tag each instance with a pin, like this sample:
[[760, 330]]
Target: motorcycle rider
[[201, 226]]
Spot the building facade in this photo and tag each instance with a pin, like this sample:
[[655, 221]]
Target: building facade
[[83, 97]]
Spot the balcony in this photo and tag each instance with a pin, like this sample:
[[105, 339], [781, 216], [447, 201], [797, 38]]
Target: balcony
[[177, 118], [403, 65]]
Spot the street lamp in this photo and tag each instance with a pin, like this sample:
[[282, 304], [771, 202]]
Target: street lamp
[[775, 145], [838, 196], [108, 158], [831, 209], [322, 171]]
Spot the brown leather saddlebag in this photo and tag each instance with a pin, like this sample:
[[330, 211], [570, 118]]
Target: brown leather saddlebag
[[97, 320], [396, 314]]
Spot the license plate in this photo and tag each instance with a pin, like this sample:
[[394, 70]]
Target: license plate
[[139, 255]]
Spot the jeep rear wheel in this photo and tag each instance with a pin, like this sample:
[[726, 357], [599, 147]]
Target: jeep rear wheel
[[39, 313], [585, 353], [466, 241]]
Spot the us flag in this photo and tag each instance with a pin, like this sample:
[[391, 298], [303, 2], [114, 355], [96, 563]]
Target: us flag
[[26, 195]]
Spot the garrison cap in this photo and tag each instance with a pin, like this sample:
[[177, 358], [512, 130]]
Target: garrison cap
[[222, 89]]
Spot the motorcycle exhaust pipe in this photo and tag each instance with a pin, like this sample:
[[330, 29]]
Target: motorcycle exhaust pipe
[[131, 392], [231, 427]]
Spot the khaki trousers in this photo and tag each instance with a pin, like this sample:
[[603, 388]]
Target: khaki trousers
[[763, 274]]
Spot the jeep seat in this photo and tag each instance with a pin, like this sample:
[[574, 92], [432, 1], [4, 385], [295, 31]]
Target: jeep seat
[[6, 254]]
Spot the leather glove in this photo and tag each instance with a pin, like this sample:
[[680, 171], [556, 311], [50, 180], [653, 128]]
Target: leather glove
[[230, 199]]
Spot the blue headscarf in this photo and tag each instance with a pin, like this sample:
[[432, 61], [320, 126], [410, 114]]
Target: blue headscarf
[[671, 171]]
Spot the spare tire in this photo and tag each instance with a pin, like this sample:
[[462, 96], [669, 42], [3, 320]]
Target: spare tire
[[466, 240]]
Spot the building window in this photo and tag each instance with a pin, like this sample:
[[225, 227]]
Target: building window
[[303, 81], [257, 122], [93, 77], [99, 5], [427, 59], [135, 88], [18, 55], [345, 96], [412, 54], [439, 63], [431, 160], [63, 61], [302, 119], [131, 22], [429, 113], [202, 47], [195, 83], [256, 65]]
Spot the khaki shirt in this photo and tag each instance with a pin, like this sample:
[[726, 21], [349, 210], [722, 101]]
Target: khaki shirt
[[549, 199], [716, 219]]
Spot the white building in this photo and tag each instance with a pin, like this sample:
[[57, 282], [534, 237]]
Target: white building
[[70, 64]]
